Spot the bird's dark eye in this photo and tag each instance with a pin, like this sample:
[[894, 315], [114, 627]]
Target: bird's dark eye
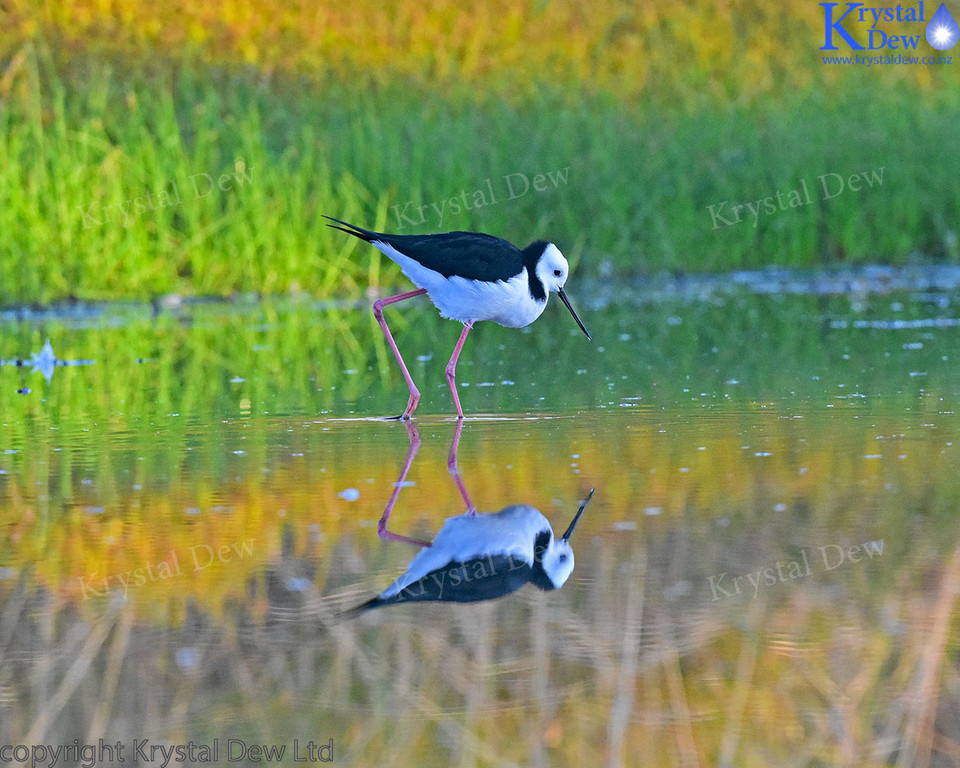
[[557, 273]]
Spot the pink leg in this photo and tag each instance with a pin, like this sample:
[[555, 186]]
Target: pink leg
[[455, 472], [382, 531], [378, 306], [452, 367]]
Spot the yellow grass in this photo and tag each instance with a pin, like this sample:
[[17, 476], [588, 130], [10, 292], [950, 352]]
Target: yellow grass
[[733, 49]]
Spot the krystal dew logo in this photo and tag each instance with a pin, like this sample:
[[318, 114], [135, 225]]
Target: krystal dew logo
[[941, 32]]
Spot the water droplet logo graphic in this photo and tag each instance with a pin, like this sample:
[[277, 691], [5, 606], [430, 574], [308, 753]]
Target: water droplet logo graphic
[[942, 31]]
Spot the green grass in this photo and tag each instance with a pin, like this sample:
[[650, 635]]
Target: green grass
[[631, 189]]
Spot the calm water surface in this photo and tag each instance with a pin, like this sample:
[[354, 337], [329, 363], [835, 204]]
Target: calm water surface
[[768, 572]]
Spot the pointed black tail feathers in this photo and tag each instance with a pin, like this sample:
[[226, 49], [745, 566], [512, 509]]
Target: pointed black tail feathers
[[351, 229]]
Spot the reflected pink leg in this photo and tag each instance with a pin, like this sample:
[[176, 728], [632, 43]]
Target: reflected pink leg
[[455, 472], [382, 531], [378, 306], [452, 367]]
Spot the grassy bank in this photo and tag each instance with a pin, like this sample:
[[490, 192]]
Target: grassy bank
[[119, 180]]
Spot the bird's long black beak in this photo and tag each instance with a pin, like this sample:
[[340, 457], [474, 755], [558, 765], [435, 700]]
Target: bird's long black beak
[[583, 505], [565, 300]]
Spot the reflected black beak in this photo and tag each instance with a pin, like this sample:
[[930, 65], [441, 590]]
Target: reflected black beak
[[565, 300], [583, 505]]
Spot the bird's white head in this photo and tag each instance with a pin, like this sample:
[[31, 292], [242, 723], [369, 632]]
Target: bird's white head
[[552, 270], [557, 560]]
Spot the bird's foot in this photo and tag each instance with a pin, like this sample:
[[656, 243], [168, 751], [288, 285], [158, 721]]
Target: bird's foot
[[407, 414], [412, 404], [400, 417]]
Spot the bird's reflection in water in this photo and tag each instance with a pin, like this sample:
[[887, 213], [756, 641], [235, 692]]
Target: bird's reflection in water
[[477, 556]]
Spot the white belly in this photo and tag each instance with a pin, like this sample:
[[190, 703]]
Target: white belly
[[508, 302]]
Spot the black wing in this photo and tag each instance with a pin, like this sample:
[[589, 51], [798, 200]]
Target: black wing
[[484, 578], [472, 255]]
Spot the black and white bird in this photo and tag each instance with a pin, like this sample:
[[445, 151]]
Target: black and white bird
[[469, 276], [484, 556]]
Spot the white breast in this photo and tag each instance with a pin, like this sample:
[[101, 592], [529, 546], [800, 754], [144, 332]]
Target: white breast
[[507, 302]]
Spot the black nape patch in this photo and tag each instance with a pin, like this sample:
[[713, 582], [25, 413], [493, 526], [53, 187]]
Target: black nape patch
[[531, 255], [538, 576]]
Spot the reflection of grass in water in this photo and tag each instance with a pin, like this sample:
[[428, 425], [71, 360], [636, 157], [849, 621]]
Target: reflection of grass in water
[[623, 658], [110, 502], [607, 665], [632, 185], [294, 360], [171, 426]]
